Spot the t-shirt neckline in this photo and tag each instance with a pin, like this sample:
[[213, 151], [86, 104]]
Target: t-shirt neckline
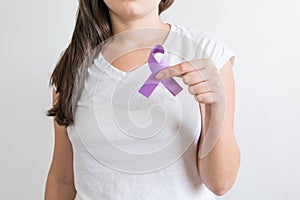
[[108, 66]]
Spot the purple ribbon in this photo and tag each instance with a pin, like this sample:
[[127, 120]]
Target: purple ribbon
[[151, 83]]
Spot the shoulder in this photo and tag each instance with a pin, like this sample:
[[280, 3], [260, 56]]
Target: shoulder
[[197, 35], [209, 45]]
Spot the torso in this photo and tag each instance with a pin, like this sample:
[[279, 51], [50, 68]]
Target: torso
[[130, 147]]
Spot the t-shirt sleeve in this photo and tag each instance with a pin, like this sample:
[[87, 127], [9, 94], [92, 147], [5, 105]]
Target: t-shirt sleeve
[[216, 50]]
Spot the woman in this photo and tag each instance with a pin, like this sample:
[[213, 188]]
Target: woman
[[85, 165]]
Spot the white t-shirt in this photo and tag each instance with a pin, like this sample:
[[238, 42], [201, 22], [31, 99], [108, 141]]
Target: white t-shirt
[[129, 147]]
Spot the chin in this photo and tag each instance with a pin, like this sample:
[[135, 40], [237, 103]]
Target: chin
[[132, 8]]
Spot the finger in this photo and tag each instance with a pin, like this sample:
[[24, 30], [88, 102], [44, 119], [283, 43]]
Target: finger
[[176, 70], [205, 98], [193, 77], [203, 63], [199, 88]]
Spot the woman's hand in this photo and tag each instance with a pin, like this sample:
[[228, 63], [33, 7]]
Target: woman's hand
[[202, 77], [205, 83], [218, 157]]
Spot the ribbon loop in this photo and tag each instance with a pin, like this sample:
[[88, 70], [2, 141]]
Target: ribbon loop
[[155, 66]]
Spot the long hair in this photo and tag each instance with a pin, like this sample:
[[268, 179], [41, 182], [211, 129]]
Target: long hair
[[93, 26]]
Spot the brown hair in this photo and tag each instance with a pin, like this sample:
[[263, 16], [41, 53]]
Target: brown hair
[[93, 26]]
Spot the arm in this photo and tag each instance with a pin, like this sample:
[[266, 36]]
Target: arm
[[60, 180], [220, 167]]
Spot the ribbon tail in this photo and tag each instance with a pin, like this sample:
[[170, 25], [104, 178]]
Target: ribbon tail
[[172, 86], [149, 86]]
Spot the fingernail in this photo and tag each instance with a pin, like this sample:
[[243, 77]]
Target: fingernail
[[159, 75]]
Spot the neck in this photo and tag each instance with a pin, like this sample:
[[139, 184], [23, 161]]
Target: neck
[[149, 30], [153, 27]]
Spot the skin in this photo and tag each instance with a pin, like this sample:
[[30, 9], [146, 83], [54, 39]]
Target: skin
[[133, 14], [60, 180], [219, 168]]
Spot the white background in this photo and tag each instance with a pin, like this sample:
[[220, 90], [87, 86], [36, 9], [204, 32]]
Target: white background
[[264, 34]]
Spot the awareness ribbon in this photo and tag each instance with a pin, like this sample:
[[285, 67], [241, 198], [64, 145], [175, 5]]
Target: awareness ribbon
[[151, 83]]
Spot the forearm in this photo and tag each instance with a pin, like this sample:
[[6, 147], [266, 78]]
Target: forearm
[[219, 167], [59, 189]]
